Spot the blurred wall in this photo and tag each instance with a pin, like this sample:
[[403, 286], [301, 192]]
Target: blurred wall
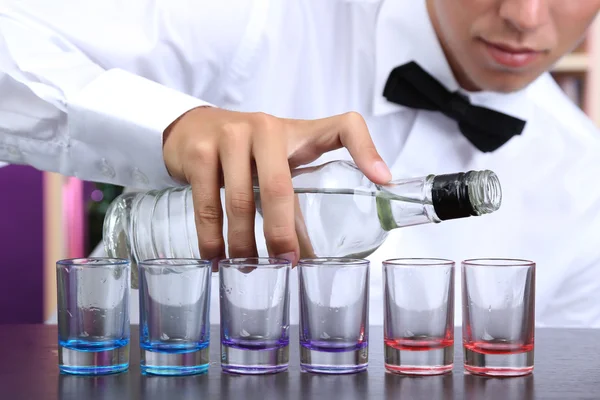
[[21, 245]]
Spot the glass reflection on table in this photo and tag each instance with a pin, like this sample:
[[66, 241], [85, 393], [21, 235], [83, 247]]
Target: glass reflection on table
[[347, 387], [516, 388], [106, 387], [419, 387]]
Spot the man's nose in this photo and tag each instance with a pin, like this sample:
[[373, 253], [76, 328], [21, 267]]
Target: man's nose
[[525, 15]]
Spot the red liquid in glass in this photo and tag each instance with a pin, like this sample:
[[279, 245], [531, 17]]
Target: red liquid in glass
[[419, 355], [419, 344], [498, 348], [481, 358]]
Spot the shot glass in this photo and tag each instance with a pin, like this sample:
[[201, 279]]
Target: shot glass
[[255, 309], [93, 315], [418, 324], [174, 316], [334, 315], [498, 316]]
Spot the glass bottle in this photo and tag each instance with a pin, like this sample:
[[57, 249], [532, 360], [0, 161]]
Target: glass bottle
[[339, 212]]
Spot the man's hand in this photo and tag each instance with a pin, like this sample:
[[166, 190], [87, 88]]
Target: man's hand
[[208, 147]]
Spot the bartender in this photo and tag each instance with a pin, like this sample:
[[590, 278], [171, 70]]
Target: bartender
[[156, 94]]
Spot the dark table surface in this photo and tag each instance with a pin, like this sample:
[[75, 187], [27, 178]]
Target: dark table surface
[[567, 366]]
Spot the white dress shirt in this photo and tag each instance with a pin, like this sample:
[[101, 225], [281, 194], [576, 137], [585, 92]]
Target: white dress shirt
[[87, 89]]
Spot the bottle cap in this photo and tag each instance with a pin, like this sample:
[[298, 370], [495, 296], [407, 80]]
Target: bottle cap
[[450, 196]]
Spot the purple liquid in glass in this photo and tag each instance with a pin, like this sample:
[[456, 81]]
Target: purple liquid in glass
[[333, 346], [256, 344]]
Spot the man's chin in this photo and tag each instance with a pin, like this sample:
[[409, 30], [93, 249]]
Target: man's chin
[[504, 84]]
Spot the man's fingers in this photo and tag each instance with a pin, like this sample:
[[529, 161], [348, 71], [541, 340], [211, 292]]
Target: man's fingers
[[276, 191], [207, 140], [235, 155], [315, 137], [207, 205]]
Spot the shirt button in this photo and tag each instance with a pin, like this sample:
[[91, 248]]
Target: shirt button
[[139, 177], [106, 169], [13, 152]]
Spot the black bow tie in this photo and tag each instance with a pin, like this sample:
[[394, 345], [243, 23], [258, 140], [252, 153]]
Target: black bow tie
[[412, 86]]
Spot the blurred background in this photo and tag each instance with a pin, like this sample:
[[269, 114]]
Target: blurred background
[[45, 217]]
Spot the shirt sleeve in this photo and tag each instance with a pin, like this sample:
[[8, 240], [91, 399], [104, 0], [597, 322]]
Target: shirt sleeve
[[87, 88]]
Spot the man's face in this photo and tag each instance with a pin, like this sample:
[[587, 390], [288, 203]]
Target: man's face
[[503, 45]]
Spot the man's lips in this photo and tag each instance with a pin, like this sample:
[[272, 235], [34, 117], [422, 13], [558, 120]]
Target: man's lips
[[509, 55]]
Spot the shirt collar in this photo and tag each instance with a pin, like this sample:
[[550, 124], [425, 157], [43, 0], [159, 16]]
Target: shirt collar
[[404, 33]]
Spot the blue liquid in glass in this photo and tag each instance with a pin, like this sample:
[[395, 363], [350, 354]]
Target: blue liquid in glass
[[174, 348], [94, 357], [93, 345], [174, 357]]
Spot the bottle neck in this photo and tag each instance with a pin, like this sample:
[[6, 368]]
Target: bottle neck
[[436, 198], [405, 202]]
